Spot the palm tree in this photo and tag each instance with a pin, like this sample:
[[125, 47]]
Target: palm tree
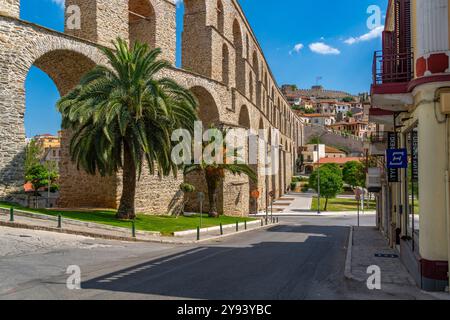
[[214, 172], [123, 116]]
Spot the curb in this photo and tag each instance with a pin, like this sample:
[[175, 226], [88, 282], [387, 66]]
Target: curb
[[67, 231], [80, 223], [348, 259], [315, 215], [123, 238], [234, 233], [217, 228]]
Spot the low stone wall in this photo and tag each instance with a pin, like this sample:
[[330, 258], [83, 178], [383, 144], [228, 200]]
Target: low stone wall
[[352, 144]]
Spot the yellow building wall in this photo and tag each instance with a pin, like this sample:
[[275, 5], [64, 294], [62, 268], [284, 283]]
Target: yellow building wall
[[432, 184]]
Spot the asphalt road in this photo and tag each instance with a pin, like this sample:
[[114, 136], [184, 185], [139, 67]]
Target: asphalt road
[[302, 258]]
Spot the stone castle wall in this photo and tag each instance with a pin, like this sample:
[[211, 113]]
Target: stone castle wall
[[351, 144]]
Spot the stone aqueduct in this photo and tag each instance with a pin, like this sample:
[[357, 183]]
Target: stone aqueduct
[[222, 63]]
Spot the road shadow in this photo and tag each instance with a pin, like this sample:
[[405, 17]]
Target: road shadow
[[287, 267]]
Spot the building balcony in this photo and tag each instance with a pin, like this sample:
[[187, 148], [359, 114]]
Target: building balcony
[[378, 144], [373, 180], [391, 76]]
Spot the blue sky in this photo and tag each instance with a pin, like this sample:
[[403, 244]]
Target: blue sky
[[331, 37]]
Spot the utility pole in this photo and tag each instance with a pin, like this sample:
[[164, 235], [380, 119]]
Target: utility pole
[[318, 176]]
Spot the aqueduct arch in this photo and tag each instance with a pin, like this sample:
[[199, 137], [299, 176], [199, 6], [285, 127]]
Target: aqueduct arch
[[208, 110], [24, 44], [239, 59], [142, 22]]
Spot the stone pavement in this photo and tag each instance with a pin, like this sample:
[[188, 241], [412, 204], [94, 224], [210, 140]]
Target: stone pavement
[[299, 204], [27, 220], [368, 242]]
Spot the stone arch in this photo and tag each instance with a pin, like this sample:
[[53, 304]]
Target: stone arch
[[208, 111], [65, 63], [247, 46], [64, 67], [225, 65], [209, 114], [251, 84], [255, 64], [244, 121], [239, 60], [220, 16], [142, 22], [244, 117], [271, 150]]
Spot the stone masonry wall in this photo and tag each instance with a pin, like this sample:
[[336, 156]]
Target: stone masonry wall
[[353, 145], [10, 8]]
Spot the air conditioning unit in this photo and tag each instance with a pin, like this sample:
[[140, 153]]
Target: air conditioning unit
[[373, 180]]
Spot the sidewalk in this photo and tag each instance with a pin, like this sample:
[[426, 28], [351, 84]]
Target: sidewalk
[[366, 244], [28, 220], [299, 205]]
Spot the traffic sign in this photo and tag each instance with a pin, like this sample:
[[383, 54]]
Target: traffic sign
[[255, 194], [397, 158]]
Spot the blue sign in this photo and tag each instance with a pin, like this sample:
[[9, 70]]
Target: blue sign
[[397, 158]]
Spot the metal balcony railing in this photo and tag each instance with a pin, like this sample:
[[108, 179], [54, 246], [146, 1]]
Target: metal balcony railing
[[392, 68], [378, 137]]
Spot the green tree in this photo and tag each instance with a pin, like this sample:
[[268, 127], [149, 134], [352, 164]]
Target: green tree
[[315, 140], [33, 153], [354, 174], [39, 177], [214, 171], [122, 118], [348, 99], [330, 181]]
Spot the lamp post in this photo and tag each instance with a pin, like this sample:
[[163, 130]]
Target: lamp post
[[318, 168], [318, 174]]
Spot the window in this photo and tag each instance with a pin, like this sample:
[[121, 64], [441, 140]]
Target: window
[[220, 16]]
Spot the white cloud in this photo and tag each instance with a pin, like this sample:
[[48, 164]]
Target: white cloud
[[322, 48], [297, 48], [60, 3], [372, 34]]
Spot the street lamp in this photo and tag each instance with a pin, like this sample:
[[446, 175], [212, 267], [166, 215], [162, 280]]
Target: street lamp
[[318, 174]]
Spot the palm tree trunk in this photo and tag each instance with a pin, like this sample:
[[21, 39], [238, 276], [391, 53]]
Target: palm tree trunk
[[126, 207], [212, 183]]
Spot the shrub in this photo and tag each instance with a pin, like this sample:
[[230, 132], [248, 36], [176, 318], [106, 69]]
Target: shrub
[[186, 187], [305, 188], [293, 186]]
